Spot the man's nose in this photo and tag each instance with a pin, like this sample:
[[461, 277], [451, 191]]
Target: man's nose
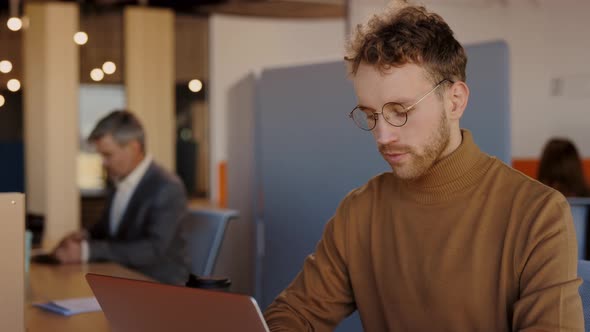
[[384, 132]]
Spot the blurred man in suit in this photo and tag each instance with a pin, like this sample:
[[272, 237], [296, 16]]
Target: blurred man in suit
[[140, 226]]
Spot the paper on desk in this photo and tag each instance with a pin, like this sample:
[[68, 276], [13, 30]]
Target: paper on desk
[[71, 306]]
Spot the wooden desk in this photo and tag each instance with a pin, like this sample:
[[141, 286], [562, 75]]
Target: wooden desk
[[47, 282]]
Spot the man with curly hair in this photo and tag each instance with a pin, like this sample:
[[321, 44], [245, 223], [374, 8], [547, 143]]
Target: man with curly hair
[[451, 239]]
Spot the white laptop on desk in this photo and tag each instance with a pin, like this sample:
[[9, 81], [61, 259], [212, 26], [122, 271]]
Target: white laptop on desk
[[142, 306]]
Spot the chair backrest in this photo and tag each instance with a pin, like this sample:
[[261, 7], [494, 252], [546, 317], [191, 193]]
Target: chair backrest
[[204, 231], [580, 207], [584, 273]]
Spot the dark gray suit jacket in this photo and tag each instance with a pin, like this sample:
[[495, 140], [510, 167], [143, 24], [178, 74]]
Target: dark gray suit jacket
[[148, 238]]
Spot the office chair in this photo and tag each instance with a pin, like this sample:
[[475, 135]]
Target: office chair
[[580, 208], [584, 273], [205, 229]]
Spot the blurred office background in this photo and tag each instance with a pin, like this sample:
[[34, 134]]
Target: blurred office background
[[225, 87]]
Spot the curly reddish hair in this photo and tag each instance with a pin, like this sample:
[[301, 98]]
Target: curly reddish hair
[[408, 34]]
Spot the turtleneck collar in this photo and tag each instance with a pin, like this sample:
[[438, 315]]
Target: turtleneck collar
[[449, 176]]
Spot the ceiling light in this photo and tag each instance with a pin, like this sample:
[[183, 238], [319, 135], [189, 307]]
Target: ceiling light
[[13, 85], [195, 85], [80, 38], [109, 67], [14, 23], [96, 74], [2, 100], [5, 66]]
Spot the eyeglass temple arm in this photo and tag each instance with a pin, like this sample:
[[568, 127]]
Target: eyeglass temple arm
[[429, 92]]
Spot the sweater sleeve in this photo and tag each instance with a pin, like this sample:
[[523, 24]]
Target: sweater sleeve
[[321, 294], [547, 262]]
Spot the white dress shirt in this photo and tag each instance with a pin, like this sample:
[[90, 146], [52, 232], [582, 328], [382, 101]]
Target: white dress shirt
[[123, 194]]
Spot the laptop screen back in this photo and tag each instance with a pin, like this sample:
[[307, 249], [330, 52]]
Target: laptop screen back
[[141, 306]]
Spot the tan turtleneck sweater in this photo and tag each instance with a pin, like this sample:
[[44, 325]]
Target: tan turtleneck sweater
[[472, 246]]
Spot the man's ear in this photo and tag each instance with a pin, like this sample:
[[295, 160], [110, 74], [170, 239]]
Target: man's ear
[[458, 96]]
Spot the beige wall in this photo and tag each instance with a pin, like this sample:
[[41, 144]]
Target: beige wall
[[548, 46], [547, 41], [360, 11]]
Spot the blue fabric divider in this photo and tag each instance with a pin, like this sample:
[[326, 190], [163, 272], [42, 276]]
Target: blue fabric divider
[[488, 112]]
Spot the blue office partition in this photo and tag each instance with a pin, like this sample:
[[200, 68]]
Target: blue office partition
[[488, 111]]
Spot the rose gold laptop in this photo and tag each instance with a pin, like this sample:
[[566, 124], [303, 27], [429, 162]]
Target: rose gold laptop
[[142, 306]]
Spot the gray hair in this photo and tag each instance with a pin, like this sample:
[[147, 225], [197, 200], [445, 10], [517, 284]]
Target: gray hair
[[122, 125]]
